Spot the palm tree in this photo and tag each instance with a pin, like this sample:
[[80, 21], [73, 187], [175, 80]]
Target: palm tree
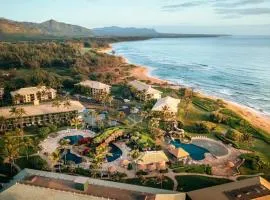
[[67, 103], [56, 156], [109, 99], [93, 115], [166, 113], [75, 122], [3, 124], [11, 147], [57, 102], [18, 113], [121, 115], [247, 137], [27, 142], [153, 124]]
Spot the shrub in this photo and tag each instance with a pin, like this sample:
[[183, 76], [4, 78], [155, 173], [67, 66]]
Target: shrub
[[129, 166], [138, 173], [52, 127], [234, 135], [43, 132]]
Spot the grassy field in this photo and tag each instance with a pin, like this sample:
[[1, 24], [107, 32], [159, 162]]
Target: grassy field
[[152, 182], [189, 183]]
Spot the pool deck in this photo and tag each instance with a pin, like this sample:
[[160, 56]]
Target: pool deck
[[50, 144], [220, 163]]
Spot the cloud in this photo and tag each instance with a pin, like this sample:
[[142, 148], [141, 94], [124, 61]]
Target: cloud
[[182, 5], [239, 3], [244, 11], [228, 9]]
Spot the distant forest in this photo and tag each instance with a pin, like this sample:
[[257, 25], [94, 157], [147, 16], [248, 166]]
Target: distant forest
[[59, 64]]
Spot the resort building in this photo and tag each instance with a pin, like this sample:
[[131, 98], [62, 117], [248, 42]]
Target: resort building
[[255, 188], [169, 102], [93, 87], [178, 153], [152, 160], [40, 114], [32, 94], [2, 92], [33, 184], [149, 92]]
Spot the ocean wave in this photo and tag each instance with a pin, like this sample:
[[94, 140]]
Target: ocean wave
[[226, 91]]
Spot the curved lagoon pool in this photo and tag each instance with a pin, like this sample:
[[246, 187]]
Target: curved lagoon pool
[[74, 139], [71, 157], [195, 152], [115, 153]]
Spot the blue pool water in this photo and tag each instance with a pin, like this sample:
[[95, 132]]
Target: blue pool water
[[116, 153], [72, 157], [195, 152], [74, 139]]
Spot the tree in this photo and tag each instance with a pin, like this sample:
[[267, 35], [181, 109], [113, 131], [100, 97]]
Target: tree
[[121, 115], [18, 113], [76, 122], [27, 143], [234, 135], [153, 123], [3, 123], [134, 153], [56, 157], [12, 146], [109, 99], [43, 131], [93, 115], [247, 137]]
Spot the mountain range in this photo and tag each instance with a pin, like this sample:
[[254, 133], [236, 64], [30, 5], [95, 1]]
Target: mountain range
[[52, 28]]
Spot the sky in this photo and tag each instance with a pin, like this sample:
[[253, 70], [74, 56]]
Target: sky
[[251, 17]]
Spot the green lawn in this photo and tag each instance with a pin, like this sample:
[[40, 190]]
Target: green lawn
[[189, 183], [201, 169], [152, 182]]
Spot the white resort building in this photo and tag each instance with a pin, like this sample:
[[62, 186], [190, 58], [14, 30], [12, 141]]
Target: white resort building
[[31, 94], [93, 87], [40, 114], [169, 102], [150, 93]]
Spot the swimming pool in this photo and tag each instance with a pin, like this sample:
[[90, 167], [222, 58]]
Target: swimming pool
[[68, 156], [115, 151], [195, 152], [74, 139], [213, 147]]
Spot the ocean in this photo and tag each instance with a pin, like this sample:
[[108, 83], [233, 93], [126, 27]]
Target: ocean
[[235, 68]]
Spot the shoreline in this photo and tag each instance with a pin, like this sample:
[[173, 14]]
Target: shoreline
[[253, 116]]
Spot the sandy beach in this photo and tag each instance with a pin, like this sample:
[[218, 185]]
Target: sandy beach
[[254, 117]]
